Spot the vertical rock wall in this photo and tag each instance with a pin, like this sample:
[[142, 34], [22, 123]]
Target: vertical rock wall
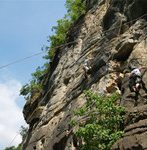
[[112, 35]]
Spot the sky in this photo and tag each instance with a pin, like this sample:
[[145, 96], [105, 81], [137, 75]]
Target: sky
[[24, 29]]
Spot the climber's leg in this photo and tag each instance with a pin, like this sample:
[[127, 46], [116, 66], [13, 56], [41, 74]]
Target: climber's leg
[[143, 86], [132, 84], [85, 72]]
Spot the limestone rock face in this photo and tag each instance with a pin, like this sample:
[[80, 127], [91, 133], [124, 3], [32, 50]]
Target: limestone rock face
[[113, 35]]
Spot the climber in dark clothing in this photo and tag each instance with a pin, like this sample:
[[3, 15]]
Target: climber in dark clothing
[[135, 80]]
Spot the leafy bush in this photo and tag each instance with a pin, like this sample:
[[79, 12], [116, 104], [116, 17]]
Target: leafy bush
[[75, 9], [59, 37], [61, 30], [35, 83], [100, 123]]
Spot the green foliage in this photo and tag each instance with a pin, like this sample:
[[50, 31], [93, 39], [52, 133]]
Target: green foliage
[[60, 30], [102, 124], [25, 90], [10, 148], [23, 132], [59, 37], [37, 75], [75, 9], [19, 147], [35, 83]]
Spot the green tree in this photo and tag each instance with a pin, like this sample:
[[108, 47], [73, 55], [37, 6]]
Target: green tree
[[100, 123], [75, 9]]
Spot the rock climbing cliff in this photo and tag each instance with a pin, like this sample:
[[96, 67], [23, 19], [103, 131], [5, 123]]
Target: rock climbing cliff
[[113, 35]]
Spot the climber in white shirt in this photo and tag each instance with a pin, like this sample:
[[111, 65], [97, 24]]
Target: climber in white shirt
[[136, 72], [136, 82]]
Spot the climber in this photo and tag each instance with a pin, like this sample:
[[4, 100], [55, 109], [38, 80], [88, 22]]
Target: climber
[[87, 66], [135, 82]]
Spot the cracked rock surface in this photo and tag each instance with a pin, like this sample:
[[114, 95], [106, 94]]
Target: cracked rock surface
[[114, 37]]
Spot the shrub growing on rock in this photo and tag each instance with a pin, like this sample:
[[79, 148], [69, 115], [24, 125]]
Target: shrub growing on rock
[[99, 121]]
